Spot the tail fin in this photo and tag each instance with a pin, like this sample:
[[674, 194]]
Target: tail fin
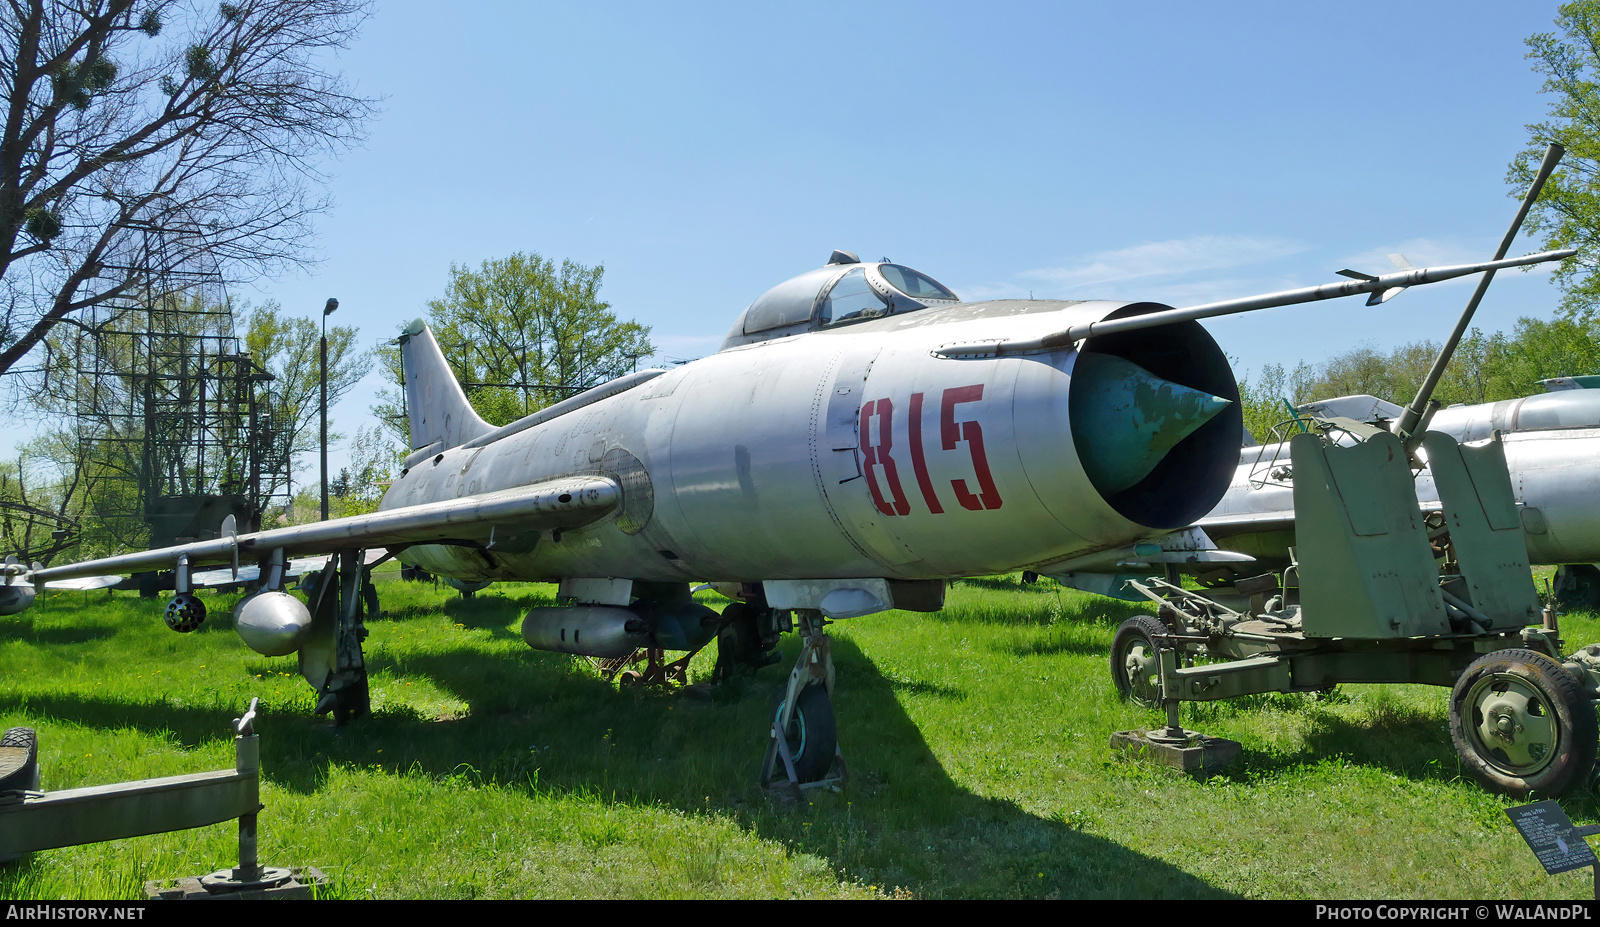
[[440, 416]]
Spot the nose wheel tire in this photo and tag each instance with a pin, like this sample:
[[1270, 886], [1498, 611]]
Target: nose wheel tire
[[1134, 670], [1522, 724], [812, 735]]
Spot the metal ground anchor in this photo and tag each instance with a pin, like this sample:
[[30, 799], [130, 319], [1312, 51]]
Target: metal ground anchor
[[1191, 751], [249, 879]]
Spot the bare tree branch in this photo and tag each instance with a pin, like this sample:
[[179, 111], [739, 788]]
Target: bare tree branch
[[144, 138]]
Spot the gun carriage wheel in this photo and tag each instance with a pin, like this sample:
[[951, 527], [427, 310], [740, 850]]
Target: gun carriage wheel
[[1522, 724], [1134, 668]]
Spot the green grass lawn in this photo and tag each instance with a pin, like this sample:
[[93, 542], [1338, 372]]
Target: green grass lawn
[[976, 740]]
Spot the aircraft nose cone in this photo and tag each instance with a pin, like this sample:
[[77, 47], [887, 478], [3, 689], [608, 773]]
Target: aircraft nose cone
[[1125, 419]]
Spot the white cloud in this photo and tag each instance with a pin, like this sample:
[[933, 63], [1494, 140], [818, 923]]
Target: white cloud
[[1199, 293], [1165, 258], [1421, 252]]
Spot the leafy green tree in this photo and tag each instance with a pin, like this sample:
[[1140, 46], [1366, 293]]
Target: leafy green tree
[[1567, 212], [143, 139], [1483, 369], [287, 347], [90, 482], [30, 526], [1396, 376], [1266, 402], [359, 487], [1538, 350], [521, 333]]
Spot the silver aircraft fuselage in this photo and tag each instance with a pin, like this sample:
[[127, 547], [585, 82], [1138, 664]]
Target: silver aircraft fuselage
[[851, 452]]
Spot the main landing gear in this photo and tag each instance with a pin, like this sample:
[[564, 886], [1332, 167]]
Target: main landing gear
[[802, 739], [748, 638], [647, 666], [331, 659]]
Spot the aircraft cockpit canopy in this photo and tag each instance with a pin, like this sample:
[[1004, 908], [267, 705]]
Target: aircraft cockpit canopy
[[843, 292]]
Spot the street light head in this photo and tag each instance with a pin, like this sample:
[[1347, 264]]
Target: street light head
[[332, 305]]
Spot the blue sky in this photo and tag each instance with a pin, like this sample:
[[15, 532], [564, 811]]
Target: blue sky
[[703, 152]]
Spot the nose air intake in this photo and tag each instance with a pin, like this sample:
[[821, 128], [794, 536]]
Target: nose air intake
[[1126, 419]]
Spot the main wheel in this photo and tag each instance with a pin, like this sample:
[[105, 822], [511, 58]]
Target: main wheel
[[1134, 670], [812, 734], [1578, 586], [1522, 724], [352, 702]]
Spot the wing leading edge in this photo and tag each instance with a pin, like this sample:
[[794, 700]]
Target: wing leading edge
[[563, 503]]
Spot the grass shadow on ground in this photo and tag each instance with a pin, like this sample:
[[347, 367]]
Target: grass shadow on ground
[[541, 723]]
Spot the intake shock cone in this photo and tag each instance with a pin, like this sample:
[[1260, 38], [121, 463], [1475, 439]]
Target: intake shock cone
[[1125, 419]]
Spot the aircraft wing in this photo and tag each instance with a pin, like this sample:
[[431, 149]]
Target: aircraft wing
[[84, 583], [250, 572], [222, 576], [564, 503], [1107, 572]]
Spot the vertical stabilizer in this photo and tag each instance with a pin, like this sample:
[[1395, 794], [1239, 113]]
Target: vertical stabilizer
[[439, 413]]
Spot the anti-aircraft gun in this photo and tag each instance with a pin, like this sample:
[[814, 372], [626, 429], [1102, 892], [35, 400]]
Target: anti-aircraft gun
[[1379, 591]]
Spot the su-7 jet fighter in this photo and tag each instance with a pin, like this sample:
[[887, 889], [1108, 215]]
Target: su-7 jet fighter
[[861, 437]]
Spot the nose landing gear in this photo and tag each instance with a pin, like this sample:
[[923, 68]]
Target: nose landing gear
[[803, 743]]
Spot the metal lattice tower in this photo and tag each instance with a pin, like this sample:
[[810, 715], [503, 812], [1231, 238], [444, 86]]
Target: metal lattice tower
[[176, 426]]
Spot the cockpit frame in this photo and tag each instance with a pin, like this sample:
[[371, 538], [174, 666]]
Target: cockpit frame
[[807, 302]]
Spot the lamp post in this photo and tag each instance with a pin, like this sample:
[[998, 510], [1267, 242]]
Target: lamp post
[[327, 310]]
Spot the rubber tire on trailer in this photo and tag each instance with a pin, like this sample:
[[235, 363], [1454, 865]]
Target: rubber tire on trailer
[[1135, 642], [19, 760], [812, 735], [1515, 690]]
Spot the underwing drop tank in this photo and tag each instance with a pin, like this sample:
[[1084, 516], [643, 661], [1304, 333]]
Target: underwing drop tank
[[15, 598], [610, 631], [273, 624], [585, 630]]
